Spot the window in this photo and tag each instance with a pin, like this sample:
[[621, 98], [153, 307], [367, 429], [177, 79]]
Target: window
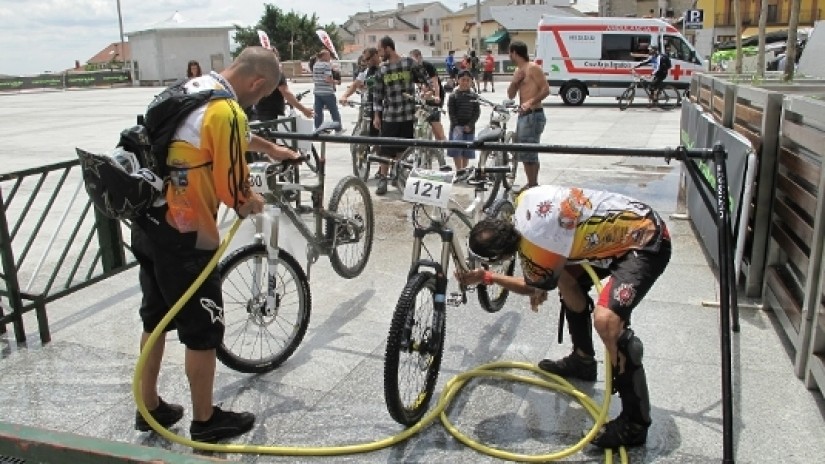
[[371, 38], [625, 47], [412, 38], [678, 49], [438, 37]]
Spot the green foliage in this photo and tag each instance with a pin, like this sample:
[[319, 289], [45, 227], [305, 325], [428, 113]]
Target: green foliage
[[282, 28]]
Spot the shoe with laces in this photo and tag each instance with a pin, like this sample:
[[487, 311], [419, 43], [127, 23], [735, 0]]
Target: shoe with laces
[[166, 414], [222, 425], [382, 186], [621, 432], [571, 366]]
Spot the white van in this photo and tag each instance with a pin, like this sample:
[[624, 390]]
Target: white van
[[594, 56]]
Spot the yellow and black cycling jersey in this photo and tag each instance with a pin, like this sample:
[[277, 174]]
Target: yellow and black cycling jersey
[[207, 164], [558, 224]]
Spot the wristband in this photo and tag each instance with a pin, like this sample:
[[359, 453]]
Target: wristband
[[488, 278]]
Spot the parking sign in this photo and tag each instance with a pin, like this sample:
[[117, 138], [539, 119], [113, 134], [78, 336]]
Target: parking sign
[[694, 19]]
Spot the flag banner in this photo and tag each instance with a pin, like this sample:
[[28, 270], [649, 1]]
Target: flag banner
[[322, 34], [264, 40]]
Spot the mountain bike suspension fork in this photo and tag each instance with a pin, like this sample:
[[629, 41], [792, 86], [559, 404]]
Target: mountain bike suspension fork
[[267, 231]]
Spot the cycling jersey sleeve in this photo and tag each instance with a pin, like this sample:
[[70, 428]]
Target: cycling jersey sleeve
[[226, 136]]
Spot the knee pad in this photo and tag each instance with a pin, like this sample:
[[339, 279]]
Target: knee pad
[[632, 349]]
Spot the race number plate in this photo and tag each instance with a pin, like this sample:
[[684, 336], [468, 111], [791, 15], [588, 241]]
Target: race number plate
[[429, 187], [257, 177]]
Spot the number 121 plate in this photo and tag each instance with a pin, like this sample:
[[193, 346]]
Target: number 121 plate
[[429, 187]]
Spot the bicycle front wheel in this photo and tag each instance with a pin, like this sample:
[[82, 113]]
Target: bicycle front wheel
[[627, 98], [414, 348], [260, 336], [350, 227], [668, 97], [492, 297]]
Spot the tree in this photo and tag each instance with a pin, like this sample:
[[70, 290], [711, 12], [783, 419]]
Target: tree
[[790, 46], [763, 21], [292, 34], [737, 16]]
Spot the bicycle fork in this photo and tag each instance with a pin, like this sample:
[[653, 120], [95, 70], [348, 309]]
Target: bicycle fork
[[266, 232]]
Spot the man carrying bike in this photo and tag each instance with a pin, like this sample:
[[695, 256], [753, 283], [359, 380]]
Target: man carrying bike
[[557, 225], [394, 111], [661, 65]]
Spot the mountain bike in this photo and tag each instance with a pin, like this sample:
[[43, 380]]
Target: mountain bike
[[415, 343], [267, 300], [419, 157], [666, 98], [496, 131]]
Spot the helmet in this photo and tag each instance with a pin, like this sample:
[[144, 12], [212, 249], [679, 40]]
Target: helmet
[[117, 185]]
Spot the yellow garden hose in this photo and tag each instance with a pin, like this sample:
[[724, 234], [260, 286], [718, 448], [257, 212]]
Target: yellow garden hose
[[450, 391]]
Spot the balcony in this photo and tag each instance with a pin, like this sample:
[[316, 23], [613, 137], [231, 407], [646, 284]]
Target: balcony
[[750, 19]]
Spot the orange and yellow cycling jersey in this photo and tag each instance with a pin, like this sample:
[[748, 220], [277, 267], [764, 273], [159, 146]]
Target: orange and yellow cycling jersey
[[558, 224], [208, 164]]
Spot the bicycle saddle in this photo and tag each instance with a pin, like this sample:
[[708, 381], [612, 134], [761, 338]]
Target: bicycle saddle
[[327, 127], [489, 134]]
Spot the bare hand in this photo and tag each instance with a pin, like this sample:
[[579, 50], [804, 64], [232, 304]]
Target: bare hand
[[536, 299], [308, 112], [471, 277], [376, 122], [284, 154], [254, 205]]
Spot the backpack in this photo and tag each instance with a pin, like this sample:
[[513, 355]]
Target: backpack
[[664, 63], [128, 182]]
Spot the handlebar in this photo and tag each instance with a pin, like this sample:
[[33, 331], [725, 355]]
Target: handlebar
[[503, 107]]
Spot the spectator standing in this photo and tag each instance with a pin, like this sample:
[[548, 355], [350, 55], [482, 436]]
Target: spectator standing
[[437, 102], [273, 105], [474, 69], [532, 88], [193, 69], [324, 90], [452, 70], [394, 113], [489, 68], [464, 111], [364, 82]]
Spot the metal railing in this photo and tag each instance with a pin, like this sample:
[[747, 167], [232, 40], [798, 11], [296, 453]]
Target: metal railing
[[52, 243]]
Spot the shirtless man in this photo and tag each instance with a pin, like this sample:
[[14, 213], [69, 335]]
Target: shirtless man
[[531, 86]]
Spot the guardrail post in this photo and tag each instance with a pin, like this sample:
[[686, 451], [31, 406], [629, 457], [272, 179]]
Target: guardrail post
[[110, 238], [10, 276]]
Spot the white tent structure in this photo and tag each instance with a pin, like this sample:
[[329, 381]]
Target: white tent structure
[[811, 63], [161, 51]]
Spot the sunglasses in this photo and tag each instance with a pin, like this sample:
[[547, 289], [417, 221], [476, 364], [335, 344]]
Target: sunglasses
[[489, 260]]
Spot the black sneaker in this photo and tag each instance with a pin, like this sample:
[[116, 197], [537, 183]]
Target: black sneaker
[[166, 414], [222, 425], [571, 366], [621, 432], [382, 186]]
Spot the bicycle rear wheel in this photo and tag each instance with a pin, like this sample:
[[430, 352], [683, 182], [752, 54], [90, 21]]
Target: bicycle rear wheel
[[510, 158], [494, 158], [668, 97], [258, 339], [627, 98], [414, 348], [492, 297], [410, 156], [352, 235], [359, 151], [312, 160]]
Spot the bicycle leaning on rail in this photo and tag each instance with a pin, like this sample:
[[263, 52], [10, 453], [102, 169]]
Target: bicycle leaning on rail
[[415, 343], [666, 98], [267, 300], [496, 131]]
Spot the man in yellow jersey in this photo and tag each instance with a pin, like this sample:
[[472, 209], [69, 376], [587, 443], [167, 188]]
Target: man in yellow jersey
[[554, 227], [207, 165]]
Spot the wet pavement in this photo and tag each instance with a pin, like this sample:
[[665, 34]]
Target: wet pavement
[[330, 392]]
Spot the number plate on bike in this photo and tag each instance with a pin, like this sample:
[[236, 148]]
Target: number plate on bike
[[257, 177], [429, 187]]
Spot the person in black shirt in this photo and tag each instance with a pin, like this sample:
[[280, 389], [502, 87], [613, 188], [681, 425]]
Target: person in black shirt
[[437, 88], [464, 111], [273, 105], [364, 82]]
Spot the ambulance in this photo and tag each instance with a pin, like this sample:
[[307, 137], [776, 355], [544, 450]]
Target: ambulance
[[593, 56]]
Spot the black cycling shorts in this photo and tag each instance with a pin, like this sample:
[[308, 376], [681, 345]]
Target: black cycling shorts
[[658, 80], [632, 276], [165, 275], [401, 130], [435, 114]]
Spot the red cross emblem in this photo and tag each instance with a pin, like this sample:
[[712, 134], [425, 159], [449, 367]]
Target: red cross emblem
[[677, 72]]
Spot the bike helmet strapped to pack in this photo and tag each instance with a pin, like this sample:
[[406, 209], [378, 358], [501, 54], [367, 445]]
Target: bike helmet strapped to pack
[[117, 184]]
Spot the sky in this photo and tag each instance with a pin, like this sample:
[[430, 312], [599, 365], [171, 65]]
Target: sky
[[49, 35]]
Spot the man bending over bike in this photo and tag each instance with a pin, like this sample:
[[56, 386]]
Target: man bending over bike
[[555, 226], [659, 72]]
